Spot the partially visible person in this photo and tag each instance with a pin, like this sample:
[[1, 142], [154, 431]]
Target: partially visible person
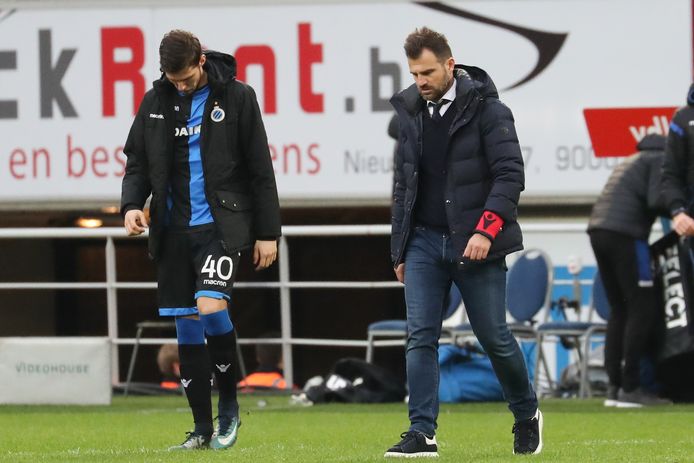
[[619, 226], [169, 366], [269, 373], [198, 147], [458, 178], [678, 168]]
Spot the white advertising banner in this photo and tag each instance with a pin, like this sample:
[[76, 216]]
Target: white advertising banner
[[71, 80], [55, 371]]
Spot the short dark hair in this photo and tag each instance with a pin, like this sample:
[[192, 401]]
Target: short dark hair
[[423, 38], [178, 50]]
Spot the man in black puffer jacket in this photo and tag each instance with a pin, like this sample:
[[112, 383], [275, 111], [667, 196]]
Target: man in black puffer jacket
[[619, 226], [198, 146], [458, 177]]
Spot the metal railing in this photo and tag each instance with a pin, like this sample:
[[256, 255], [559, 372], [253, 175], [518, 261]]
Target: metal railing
[[285, 285]]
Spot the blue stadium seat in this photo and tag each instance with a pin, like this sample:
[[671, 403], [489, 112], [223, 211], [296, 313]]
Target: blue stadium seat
[[528, 292]]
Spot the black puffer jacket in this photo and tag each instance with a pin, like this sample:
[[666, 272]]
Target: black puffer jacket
[[678, 166], [239, 178], [484, 164], [630, 200]]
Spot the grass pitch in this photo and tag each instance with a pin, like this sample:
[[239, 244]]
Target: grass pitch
[[139, 429]]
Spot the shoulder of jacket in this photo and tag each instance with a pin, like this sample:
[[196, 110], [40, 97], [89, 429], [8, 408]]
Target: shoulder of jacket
[[493, 107], [685, 113], [149, 98], [239, 89], [147, 103], [493, 102]]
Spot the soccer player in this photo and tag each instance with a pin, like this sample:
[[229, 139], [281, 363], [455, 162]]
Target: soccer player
[[198, 147]]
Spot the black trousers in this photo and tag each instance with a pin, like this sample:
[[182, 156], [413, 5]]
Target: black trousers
[[632, 323]]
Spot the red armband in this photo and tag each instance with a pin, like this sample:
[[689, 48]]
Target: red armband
[[489, 225]]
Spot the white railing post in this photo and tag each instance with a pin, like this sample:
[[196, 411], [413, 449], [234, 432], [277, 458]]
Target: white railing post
[[112, 307], [286, 312]]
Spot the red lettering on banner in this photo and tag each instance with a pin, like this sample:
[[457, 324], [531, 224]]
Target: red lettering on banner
[[99, 156], [72, 152], [616, 131], [120, 159], [98, 160], [314, 158], [47, 161], [112, 71], [17, 158], [305, 161], [297, 155], [264, 56], [309, 53]]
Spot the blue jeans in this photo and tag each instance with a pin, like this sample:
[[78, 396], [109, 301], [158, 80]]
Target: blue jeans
[[430, 268]]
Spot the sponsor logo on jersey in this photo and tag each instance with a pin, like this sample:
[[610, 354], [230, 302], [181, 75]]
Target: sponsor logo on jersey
[[187, 131]]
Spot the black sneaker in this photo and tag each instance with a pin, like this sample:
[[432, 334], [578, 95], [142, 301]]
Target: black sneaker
[[611, 397], [414, 444], [528, 435], [639, 398], [193, 442]]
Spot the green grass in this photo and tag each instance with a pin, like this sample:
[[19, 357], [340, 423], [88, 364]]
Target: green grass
[[139, 429]]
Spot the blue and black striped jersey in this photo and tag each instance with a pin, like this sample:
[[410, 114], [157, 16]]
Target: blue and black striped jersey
[[186, 201]]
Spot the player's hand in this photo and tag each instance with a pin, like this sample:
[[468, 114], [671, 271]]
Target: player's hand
[[264, 254], [400, 273], [683, 224], [477, 247], [135, 222]]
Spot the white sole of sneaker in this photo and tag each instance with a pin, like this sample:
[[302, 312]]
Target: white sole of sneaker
[[539, 427], [628, 405], [610, 403], [411, 455]]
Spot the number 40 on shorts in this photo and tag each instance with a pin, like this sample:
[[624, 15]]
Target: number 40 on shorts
[[218, 266]]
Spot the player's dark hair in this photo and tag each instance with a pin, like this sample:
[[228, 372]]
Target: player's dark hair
[[178, 50], [423, 38]]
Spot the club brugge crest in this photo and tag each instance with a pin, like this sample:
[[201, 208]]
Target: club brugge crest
[[217, 114]]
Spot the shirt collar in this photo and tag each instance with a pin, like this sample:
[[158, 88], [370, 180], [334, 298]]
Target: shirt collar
[[450, 94]]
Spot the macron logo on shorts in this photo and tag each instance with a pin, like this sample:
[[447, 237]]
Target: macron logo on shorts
[[185, 382]]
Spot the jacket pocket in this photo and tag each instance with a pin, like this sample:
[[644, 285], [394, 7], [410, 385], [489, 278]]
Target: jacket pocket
[[234, 201]]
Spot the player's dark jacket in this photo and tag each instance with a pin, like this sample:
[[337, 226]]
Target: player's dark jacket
[[678, 166], [484, 166], [239, 178]]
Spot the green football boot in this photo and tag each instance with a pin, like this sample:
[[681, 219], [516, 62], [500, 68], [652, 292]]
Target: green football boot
[[226, 434]]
